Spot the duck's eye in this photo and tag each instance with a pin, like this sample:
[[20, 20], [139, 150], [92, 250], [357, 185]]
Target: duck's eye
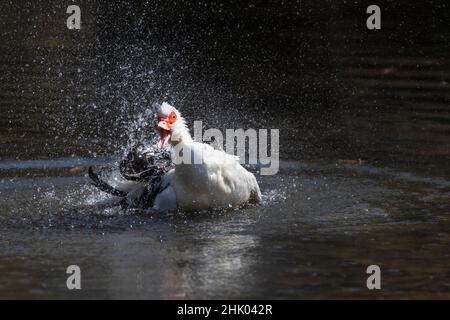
[[172, 117]]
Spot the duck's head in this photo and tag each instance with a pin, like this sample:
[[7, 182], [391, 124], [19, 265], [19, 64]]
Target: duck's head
[[170, 125]]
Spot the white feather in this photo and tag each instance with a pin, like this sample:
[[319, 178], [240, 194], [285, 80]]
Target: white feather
[[218, 181]]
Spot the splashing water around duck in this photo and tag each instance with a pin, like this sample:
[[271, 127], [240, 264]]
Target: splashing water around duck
[[202, 177]]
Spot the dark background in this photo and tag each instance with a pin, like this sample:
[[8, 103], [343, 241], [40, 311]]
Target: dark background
[[335, 89], [338, 93]]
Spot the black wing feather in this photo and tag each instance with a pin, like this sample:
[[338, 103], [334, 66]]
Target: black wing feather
[[104, 186]]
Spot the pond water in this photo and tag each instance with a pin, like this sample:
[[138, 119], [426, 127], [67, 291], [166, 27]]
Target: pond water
[[364, 125]]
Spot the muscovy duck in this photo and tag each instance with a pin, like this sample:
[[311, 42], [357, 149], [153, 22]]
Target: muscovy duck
[[166, 182], [211, 179]]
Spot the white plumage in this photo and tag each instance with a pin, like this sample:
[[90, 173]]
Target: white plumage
[[210, 179]]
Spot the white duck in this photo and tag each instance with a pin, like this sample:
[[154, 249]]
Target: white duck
[[214, 180]]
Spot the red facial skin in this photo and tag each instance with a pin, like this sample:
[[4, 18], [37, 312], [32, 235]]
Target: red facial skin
[[166, 123], [164, 128]]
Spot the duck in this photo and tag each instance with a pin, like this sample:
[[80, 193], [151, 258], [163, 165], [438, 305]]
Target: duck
[[202, 177]]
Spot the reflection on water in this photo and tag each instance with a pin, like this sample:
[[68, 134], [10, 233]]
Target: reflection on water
[[365, 113], [314, 239]]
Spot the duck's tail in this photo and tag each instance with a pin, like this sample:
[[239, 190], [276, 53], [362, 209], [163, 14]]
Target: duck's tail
[[255, 194]]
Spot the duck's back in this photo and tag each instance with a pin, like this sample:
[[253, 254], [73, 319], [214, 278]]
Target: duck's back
[[218, 181]]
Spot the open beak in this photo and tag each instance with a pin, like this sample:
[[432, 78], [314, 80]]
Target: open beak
[[163, 128]]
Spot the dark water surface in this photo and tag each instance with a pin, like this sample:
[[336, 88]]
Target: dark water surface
[[364, 123]]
